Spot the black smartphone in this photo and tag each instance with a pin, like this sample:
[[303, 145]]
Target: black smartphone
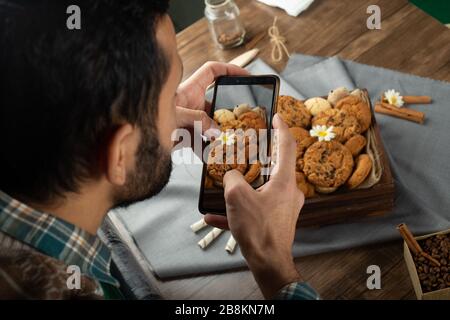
[[239, 105]]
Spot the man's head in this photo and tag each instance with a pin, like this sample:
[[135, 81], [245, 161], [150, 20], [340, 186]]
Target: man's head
[[86, 106]]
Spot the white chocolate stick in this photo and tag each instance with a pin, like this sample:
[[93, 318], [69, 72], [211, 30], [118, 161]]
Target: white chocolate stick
[[210, 237], [231, 245], [199, 225]]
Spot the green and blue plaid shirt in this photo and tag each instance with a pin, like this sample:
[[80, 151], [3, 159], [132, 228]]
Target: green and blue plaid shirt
[[297, 291], [65, 242], [56, 238]]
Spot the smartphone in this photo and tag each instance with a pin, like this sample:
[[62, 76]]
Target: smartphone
[[239, 105]]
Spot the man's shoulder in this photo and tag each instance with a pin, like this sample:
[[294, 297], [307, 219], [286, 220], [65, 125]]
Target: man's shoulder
[[29, 274]]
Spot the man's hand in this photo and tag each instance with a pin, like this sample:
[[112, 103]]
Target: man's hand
[[190, 102], [263, 221]]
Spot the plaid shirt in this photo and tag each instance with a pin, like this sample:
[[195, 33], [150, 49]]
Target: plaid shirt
[[297, 291], [56, 238], [74, 246]]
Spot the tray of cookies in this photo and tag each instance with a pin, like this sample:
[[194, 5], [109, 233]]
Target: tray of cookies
[[342, 167], [341, 164]]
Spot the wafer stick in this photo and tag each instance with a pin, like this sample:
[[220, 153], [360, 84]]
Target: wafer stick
[[231, 245], [412, 243], [199, 225], [210, 237]]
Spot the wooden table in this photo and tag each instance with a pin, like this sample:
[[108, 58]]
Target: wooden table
[[409, 41]]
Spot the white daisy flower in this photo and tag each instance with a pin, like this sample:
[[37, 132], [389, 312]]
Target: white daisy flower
[[322, 133], [394, 98], [227, 138]]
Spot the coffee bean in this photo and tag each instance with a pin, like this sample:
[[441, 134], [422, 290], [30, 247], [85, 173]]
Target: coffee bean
[[431, 276]]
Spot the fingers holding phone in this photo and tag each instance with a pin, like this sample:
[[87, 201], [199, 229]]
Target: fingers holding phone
[[263, 221]]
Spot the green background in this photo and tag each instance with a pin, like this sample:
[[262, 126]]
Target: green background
[[439, 9]]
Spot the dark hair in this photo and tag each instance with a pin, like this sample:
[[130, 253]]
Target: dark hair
[[63, 92]]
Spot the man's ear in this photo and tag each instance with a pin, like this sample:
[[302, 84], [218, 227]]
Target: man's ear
[[122, 147]]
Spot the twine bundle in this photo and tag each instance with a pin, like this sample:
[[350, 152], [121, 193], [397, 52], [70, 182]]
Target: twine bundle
[[278, 42]]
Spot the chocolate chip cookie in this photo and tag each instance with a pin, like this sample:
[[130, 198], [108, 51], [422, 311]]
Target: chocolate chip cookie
[[303, 140], [362, 170], [328, 164], [345, 125], [355, 144], [252, 120], [355, 106], [223, 158], [304, 186], [293, 112]]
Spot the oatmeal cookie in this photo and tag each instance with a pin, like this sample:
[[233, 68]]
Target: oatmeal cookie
[[253, 172], [317, 105], [362, 170], [223, 115], [232, 125], [355, 144], [252, 120], [355, 106], [328, 164], [241, 109], [293, 112], [209, 183], [223, 158], [337, 94], [304, 186], [261, 111], [303, 140], [325, 190], [345, 124]]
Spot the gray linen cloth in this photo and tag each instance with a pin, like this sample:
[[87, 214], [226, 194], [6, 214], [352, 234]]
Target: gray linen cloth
[[419, 156]]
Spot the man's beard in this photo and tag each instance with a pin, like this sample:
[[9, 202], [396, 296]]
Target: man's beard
[[151, 174]]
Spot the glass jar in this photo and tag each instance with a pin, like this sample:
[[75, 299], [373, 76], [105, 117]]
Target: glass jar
[[224, 24]]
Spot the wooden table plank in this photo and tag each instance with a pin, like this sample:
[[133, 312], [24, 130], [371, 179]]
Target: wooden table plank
[[409, 41]]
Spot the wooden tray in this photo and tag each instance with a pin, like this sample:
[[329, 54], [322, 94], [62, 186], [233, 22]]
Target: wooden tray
[[345, 204]]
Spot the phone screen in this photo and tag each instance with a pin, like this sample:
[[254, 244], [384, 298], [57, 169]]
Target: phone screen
[[243, 108]]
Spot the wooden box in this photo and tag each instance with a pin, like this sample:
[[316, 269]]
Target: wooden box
[[443, 294], [345, 204]]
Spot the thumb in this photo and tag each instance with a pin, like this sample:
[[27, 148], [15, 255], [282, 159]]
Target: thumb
[[285, 154], [236, 188]]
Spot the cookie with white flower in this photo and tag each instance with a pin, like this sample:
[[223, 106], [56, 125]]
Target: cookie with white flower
[[226, 153], [345, 125], [328, 164]]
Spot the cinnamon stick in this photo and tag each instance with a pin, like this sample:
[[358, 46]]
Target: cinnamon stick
[[413, 245], [414, 113], [406, 234], [417, 99], [403, 113]]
